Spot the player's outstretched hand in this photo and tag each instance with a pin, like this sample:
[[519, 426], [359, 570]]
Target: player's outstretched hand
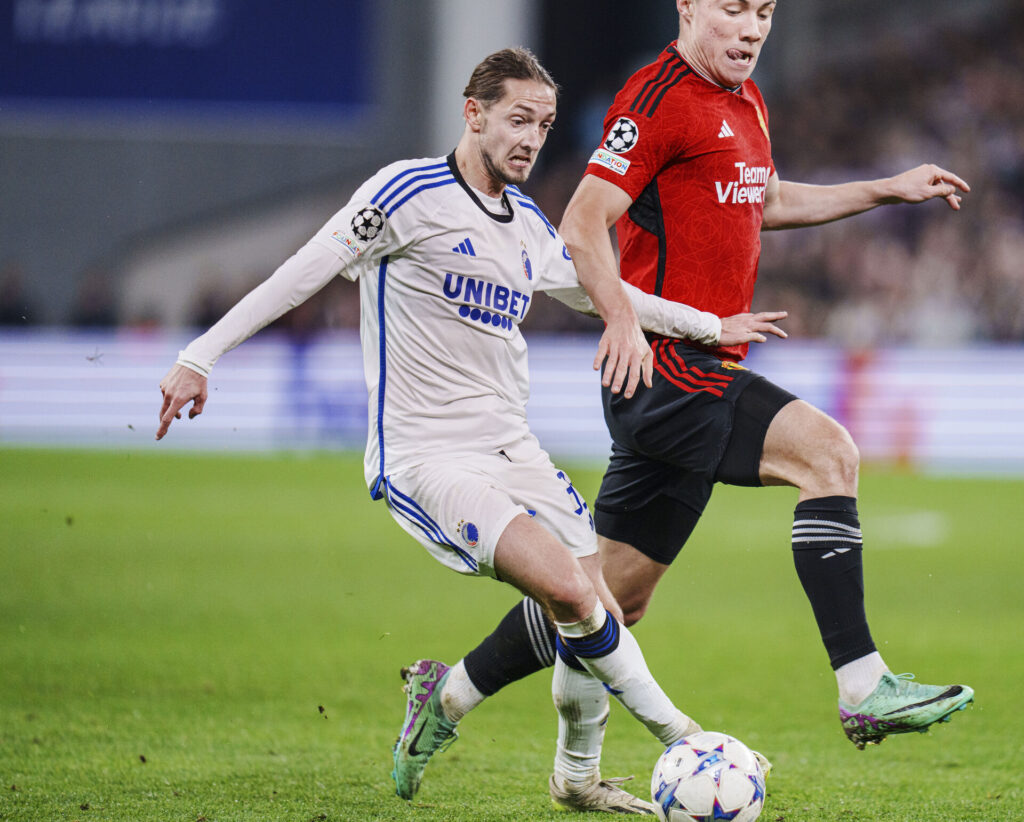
[[181, 386], [626, 356], [747, 328], [925, 183]]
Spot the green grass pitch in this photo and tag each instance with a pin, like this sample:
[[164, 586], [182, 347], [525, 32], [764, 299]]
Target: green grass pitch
[[190, 637]]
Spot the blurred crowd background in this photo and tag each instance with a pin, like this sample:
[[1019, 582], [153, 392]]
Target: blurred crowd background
[[953, 96], [113, 215]]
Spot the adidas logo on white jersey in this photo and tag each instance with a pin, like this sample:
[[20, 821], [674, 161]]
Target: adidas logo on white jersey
[[465, 247], [725, 131]]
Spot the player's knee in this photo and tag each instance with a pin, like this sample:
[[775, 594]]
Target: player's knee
[[838, 461], [570, 598]]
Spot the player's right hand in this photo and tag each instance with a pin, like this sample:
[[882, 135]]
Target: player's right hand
[[180, 386], [746, 328], [626, 356]]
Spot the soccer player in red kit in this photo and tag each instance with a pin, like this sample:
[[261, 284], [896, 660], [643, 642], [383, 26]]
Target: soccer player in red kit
[[694, 162], [685, 174]]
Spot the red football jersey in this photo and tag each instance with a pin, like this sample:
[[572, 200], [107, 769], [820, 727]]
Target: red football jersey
[[695, 159]]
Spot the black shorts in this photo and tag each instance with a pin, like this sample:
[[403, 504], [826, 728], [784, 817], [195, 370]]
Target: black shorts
[[703, 421]]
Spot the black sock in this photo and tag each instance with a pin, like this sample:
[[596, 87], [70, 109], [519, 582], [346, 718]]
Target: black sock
[[522, 644], [828, 554]]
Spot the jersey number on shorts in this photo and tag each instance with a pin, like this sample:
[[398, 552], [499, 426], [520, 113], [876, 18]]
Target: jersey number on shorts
[[581, 506]]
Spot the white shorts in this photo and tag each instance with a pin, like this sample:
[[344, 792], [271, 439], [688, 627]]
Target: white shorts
[[459, 507]]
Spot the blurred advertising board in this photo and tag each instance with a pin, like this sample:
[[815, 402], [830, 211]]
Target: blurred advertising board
[[933, 409]]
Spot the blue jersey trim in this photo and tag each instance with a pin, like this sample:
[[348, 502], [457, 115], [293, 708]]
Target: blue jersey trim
[[384, 202], [416, 170], [382, 373], [414, 513], [530, 206], [449, 180], [527, 203]]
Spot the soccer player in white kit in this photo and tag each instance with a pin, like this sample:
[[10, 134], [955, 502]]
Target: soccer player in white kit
[[448, 253]]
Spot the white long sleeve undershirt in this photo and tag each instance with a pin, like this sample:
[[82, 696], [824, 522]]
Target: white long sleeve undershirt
[[296, 280], [655, 314], [313, 266]]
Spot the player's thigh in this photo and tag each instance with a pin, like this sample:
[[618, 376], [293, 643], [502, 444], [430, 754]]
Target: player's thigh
[[454, 509], [806, 448], [557, 509], [547, 493], [532, 559]]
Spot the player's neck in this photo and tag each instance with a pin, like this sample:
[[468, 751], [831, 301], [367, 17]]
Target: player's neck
[[472, 168], [695, 67]]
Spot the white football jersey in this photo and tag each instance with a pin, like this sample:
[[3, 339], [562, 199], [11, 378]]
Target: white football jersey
[[444, 283]]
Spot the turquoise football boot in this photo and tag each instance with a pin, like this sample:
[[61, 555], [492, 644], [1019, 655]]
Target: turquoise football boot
[[426, 730], [898, 705]]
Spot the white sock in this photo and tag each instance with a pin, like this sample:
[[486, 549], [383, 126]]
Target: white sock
[[582, 704], [625, 671], [460, 695], [859, 678]]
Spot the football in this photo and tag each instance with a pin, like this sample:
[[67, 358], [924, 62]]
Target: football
[[708, 777]]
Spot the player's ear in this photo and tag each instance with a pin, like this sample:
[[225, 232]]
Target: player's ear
[[685, 7], [473, 111]]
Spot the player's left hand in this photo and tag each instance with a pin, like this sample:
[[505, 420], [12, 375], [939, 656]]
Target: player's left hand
[[925, 183], [626, 356], [747, 328]]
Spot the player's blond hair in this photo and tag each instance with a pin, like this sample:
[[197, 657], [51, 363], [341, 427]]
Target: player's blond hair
[[487, 82]]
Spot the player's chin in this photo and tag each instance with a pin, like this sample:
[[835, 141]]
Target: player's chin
[[516, 179], [738, 71], [517, 173]]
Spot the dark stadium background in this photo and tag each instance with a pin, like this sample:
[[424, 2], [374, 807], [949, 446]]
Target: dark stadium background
[[158, 158]]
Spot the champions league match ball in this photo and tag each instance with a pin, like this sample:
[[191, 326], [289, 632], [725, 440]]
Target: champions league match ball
[[707, 777]]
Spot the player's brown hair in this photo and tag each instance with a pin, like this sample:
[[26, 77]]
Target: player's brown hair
[[487, 82]]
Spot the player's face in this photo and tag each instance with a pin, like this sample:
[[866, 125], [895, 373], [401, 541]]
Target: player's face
[[723, 38], [513, 130]]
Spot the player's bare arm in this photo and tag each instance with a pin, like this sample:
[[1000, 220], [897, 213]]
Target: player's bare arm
[[179, 387], [794, 205], [594, 208]]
